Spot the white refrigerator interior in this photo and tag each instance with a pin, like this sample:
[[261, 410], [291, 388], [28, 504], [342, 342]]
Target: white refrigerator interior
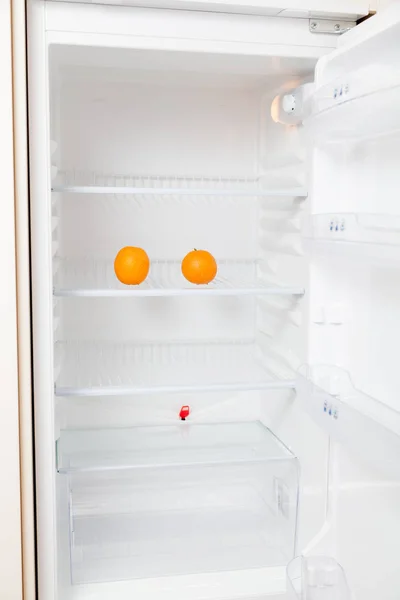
[[287, 360]]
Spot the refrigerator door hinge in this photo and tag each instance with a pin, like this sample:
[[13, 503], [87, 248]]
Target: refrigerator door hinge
[[330, 26]]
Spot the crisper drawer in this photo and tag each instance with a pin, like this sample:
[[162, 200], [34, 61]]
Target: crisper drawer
[[178, 500]]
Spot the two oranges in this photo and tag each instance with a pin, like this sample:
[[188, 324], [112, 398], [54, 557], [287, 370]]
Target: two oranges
[[132, 266]]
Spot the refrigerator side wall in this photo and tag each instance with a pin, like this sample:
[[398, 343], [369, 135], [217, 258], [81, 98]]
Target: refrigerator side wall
[[42, 300]]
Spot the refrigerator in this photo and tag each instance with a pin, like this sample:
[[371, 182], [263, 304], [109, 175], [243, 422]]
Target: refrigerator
[[237, 439]]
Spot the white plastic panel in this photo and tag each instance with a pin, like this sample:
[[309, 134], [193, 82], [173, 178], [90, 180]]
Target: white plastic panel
[[370, 512], [296, 8], [160, 126], [241, 34]]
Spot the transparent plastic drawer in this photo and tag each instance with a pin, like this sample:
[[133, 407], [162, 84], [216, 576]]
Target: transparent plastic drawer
[[174, 500]]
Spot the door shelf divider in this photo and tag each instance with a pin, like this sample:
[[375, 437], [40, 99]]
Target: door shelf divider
[[125, 369], [367, 426], [96, 278]]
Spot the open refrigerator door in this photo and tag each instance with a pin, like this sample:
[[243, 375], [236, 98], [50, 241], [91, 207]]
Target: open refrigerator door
[[352, 237]]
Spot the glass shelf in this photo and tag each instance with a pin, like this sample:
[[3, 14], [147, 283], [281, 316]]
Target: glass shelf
[[167, 446], [94, 183], [108, 369], [202, 498], [372, 236], [370, 428], [96, 278]]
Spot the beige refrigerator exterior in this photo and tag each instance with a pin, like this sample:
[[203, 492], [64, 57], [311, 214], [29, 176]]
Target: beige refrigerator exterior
[[17, 556]]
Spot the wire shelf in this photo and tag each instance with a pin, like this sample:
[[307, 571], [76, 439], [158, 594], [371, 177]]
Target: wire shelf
[[112, 369], [96, 278], [94, 183]]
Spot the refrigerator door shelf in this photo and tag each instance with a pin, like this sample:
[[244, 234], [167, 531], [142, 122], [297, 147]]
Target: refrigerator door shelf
[[367, 426], [349, 117], [375, 237]]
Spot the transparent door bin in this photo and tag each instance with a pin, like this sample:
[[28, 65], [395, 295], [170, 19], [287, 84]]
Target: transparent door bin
[[356, 227], [174, 500], [370, 428], [316, 578], [371, 236], [357, 107]]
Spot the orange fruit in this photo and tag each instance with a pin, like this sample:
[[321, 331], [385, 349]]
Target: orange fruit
[[131, 265], [199, 266]]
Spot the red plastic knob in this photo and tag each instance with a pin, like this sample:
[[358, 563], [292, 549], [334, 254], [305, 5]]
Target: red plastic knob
[[184, 412]]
